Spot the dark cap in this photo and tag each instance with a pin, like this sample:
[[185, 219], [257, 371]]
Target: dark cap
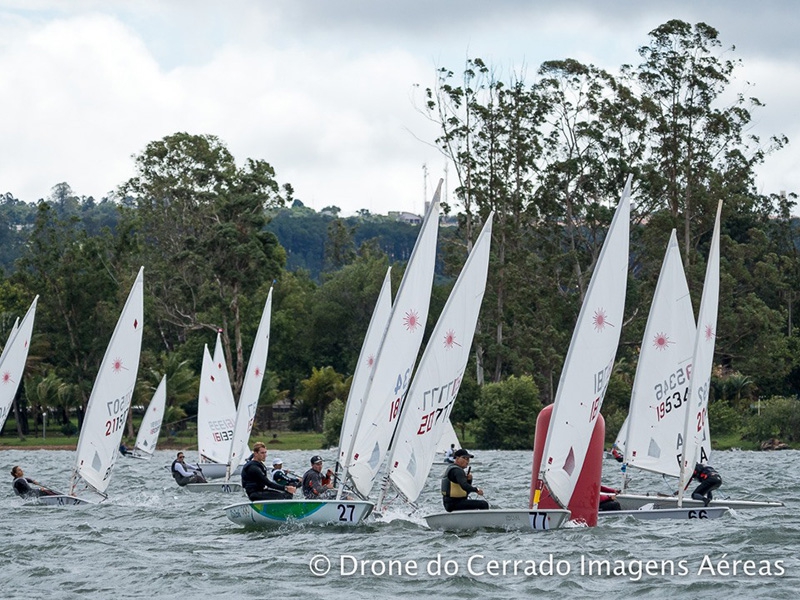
[[316, 459], [463, 452]]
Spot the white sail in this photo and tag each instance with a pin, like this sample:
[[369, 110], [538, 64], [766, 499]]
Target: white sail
[[654, 438], [426, 412], [449, 438], [216, 412], [366, 360], [12, 361], [696, 431], [391, 374], [147, 438], [110, 400], [589, 362], [251, 389]]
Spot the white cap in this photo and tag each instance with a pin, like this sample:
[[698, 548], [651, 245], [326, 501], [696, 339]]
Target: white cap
[[276, 461]]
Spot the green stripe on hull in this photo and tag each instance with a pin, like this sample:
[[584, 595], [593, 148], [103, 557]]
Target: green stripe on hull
[[283, 512]]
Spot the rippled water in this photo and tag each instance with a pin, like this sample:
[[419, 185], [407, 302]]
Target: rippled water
[[152, 539]]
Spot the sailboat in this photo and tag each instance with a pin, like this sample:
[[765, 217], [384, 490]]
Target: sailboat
[[12, 360], [248, 405], [366, 362], [426, 411], [108, 406], [147, 438], [576, 408], [216, 413], [378, 408], [674, 366]]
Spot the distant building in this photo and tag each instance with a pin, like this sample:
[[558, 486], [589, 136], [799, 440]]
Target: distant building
[[406, 217]]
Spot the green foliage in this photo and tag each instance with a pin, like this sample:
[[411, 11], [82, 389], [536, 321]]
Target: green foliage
[[314, 396], [332, 423], [507, 414], [723, 418], [776, 417], [464, 412]]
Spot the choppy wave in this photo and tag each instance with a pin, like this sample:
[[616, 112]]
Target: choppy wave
[[152, 539]]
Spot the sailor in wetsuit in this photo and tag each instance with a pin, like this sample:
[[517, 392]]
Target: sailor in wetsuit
[[281, 476], [457, 484], [709, 480], [257, 483], [22, 485]]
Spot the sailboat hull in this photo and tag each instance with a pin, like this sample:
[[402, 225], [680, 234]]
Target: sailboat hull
[[217, 470], [523, 520], [273, 513], [221, 487], [636, 501], [63, 500], [657, 514]]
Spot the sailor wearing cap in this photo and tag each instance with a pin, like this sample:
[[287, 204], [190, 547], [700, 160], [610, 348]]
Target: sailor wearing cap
[[281, 476], [457, 485], [315, 484]]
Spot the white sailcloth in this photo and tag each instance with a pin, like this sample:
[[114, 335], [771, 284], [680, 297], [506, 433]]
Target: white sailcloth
[[366, 360], [429, 402], [251, 389], [12, 361], [110, 400], [589, 361], [696, 431], [654, 438], [391, 374], [216, 410], [147, 438], [449, 438]]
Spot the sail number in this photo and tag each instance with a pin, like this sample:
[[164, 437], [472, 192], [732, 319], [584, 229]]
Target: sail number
[[672, 402], [674, 381], [346, 512], [118, 413]]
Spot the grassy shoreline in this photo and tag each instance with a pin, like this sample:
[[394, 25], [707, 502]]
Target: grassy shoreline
[[288, 440]]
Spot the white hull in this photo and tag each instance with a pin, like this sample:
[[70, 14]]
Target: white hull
[[657, 514], [512, 519], [222, 487], [63, 500], [273, 513], [217, 470], [636, 501]]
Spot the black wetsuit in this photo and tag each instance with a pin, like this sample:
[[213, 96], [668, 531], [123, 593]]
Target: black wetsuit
[[280, 477], [258, 485], [22, 488], [455, 488], [709, 480]]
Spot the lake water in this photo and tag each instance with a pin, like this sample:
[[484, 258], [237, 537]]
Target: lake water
[[154, 540]]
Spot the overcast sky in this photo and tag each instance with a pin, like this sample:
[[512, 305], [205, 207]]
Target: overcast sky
[[327, 91]]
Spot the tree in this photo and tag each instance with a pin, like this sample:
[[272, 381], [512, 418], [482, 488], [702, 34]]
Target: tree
[[315, 395], [507, 414], [200, 224]]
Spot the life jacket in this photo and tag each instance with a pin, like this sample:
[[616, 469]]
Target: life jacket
[[21, 487], [451, 489], [177, 476], [703, 472]]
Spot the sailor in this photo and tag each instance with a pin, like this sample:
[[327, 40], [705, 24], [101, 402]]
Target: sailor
[[457, 484], [608, 499], [22, 485], [709, 480], [257, 483], [184, 472], [281, 476], [448, 454], [315, 484]]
